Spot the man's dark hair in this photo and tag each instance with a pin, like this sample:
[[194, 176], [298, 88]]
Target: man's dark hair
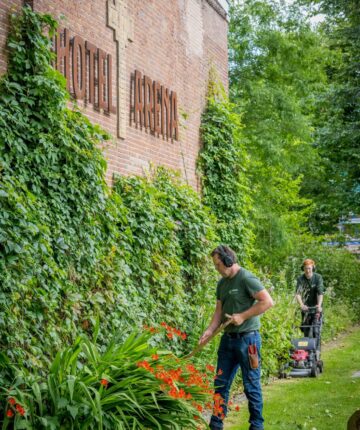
[[223, 250]]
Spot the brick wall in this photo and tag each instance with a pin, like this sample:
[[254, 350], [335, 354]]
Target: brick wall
[[6, 8], [174, 42]]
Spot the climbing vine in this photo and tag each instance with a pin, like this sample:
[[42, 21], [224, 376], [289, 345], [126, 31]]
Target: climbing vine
[[222, 163], [72, 250]]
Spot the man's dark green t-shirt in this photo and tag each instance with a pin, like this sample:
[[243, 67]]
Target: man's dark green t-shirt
[[309, 289], [237, 295]]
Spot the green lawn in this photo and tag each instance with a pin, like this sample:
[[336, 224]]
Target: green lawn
[[323, 403]]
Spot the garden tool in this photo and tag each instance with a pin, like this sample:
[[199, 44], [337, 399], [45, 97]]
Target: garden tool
[[216, 332]]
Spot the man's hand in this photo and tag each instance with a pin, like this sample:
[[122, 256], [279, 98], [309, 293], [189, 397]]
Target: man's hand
[[205, 336], [236, 319], [319, 308], [304, 308]]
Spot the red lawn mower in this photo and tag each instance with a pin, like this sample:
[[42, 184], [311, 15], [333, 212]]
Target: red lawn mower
[[305, 354]]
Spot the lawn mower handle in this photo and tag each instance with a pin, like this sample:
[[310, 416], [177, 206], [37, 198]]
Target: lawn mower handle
[[311, 310]]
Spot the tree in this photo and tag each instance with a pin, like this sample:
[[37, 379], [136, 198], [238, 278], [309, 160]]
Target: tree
[[338, 125], [275, 68]]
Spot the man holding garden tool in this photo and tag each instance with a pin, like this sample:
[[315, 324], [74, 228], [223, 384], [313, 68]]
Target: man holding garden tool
[[241, 298]]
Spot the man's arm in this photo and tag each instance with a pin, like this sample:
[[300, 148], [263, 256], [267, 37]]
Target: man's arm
[[320, 293], [264, 302], [214, 324], [299, 300], [319, 302]]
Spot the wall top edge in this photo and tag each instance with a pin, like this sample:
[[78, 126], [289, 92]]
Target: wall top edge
[[221, 7]]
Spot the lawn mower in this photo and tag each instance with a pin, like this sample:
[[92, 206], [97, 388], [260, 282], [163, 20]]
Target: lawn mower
[[305, 354]]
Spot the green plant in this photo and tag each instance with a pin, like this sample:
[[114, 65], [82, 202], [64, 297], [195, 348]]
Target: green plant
[[56, 221], [223, 163], [167, 255], [129, 385]]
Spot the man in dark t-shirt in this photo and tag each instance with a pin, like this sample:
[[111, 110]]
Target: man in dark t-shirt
[[240, 299], [310, 293]]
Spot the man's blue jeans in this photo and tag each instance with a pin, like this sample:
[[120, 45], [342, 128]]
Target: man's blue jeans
[[232, 354]]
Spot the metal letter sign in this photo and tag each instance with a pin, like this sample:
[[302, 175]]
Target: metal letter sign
[[155, 107], [83, 57], [88, 73]]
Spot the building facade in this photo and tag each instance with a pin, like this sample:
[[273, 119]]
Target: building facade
[[140, 69]]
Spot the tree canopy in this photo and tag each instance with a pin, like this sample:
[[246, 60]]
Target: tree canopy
[[296, 87]]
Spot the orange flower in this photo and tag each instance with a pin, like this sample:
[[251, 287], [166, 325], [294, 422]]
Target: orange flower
[[190, 368], [177, 394], [175, 374], [104, 382], [155, 357], [237, 408], [173, 392], [171, 331], [218, 399], [218, 410], [210, 368], [150, 329], [9, 413], [144, 364], [12, 401], [199, 408], [20, 409], [181, 394], [220, 372]]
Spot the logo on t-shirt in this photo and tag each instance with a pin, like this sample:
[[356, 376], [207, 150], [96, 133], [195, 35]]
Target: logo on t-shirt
[[234, 291]]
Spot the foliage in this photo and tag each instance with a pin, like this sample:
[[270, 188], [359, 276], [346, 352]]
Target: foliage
[[277, 328], [276, 65], [338, 318], [72, 250], [129, 385], [338, 125], [167, 256], [55, 219], [223, 164]]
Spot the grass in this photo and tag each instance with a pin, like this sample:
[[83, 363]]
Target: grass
[[323, 403]]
